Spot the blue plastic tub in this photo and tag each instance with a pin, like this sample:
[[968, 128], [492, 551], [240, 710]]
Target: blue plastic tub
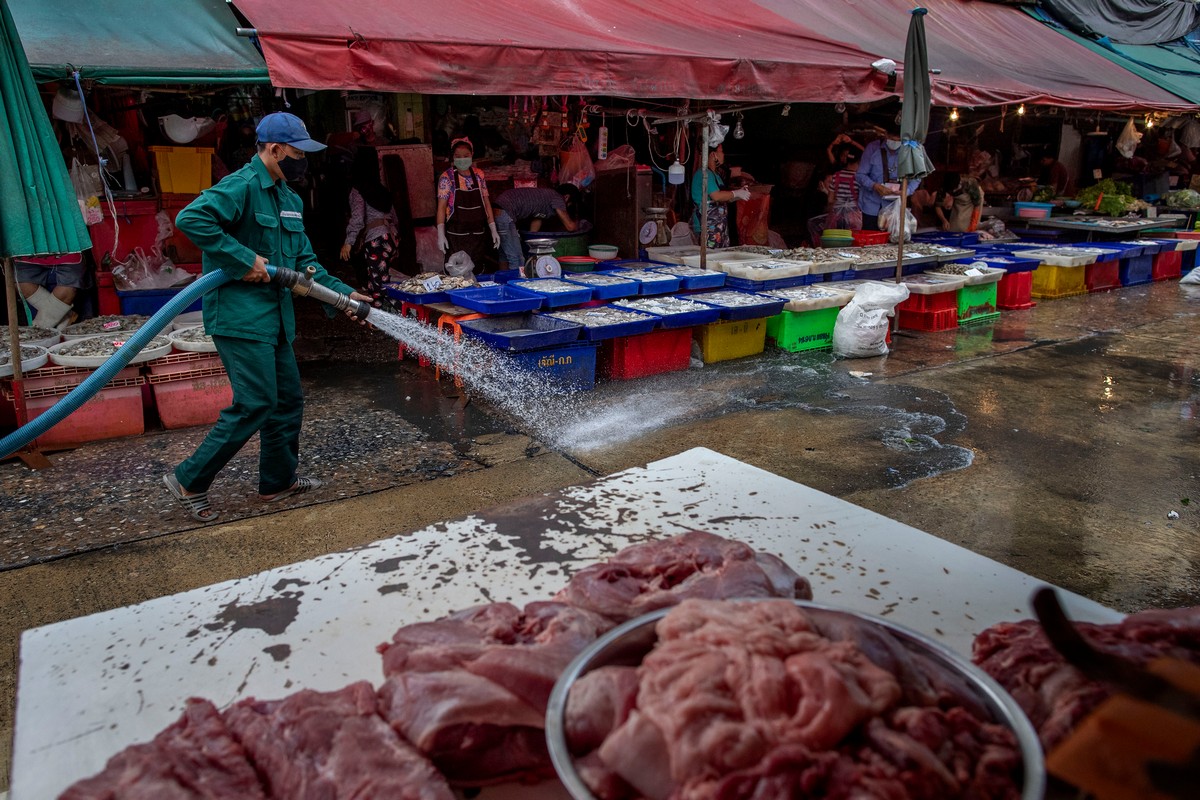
[[149, 301], [604, 291], [637, 323], [1136, 271], [711, 280], [416, 299], [746, 285], [665, 285], [505, 275], [949, 238], [495, 298], [522, 331], [683, 319], [571, 365], [1005, 261], [768, 307], [552, 299], [1150, 247]]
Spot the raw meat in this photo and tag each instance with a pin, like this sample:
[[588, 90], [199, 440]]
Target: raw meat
[[754, 700], [645, 577], [470, 690], [1056, 696], [195, 758], [330, 745]]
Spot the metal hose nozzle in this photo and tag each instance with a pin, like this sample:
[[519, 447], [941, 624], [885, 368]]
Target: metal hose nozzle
[[305, 286]]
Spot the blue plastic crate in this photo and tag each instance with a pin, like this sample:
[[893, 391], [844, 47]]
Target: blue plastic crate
[[684, 319], [712, 280], [494, 298], [609, 291], [1005, 261], [1189, 261], [415, 298], [573, 366], [149, 301], [878, 273], [1136, 271], [552, 299], [668, 284], [638, 323], [1150, 247], [746, 285], [505, 275], [522, 332], [768, 307]]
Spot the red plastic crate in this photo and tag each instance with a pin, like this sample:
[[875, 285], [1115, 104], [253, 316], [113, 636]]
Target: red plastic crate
[[183, 362], [944, 320], [187, 399], [867, 238], [1102, 276], [1167, 266], [927, 303], [646, 354], [1014, 292], [112, 412]]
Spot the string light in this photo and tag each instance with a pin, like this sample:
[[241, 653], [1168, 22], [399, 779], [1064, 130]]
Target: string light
[[954, 115], [1021, 110], [1149, 121]]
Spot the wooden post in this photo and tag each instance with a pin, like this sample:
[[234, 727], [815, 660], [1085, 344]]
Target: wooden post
[[902, 211], [704, 197], [32, 457]]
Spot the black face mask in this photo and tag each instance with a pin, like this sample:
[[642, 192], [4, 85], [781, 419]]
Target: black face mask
[[293, 169]]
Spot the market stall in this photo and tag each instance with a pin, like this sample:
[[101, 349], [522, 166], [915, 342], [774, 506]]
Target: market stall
[[91, 686]]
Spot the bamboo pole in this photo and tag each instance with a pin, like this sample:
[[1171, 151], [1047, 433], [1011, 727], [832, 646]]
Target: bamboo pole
[[903, 212], [704, 197]]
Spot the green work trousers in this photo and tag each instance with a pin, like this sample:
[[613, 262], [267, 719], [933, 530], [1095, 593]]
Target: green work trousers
[[267, 399]]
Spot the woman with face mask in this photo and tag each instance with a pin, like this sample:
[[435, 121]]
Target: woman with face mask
[[878, 178], [464, 212]]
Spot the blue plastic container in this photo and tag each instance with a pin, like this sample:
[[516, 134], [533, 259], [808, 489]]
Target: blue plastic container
[[604, 291], [1005, 261], [641, 323], [949, 238], [552, 299], [416, 299], [494, 298], [571, 365], [745, 285], [1136, 271], [768, 307], [505, 275], [668, 283], [1150, 247], [149, 301], [522, 331], [684, 319], [713, 280]]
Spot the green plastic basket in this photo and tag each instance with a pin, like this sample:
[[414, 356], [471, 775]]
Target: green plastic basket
[[797, 331], [977, 304]]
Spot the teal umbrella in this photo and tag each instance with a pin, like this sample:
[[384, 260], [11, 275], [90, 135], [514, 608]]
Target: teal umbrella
[[38, 210], [913, 163]]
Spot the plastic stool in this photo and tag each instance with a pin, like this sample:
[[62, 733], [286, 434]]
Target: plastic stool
[[421, 313], [450, 324]]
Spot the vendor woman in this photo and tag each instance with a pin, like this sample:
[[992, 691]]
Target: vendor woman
[[464, 214], [718, 200]]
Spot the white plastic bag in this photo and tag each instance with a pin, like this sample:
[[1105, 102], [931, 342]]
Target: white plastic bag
[[460, 265], [1129, 139], [862, 325], [889, 220], [1192, 277]]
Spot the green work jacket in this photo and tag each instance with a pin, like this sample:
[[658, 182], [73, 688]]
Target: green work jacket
[[248, 214]]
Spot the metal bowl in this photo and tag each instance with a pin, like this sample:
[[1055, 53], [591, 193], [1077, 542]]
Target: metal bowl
[[627, 644]]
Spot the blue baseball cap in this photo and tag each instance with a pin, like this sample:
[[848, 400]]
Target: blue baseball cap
[[284, 128]]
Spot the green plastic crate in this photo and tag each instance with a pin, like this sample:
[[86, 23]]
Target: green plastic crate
[[797, 331], [977, 304]]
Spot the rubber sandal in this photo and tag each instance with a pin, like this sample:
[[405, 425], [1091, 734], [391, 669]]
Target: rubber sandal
[[301, 486], [196, 504]]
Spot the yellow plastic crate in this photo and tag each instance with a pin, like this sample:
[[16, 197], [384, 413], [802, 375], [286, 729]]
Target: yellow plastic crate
[[183, 170], [722, 341], [1050, 282]]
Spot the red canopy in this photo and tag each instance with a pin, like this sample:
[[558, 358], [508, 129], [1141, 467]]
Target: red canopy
[[765, 50]]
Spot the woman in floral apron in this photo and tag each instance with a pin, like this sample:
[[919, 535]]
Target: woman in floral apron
[[718, 200], [464, 212]]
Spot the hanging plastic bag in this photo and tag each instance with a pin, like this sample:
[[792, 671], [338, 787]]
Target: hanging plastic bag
[[623, 156], [577, 167], [891, 220], [460, 265], [862, 325], [1129, 139]]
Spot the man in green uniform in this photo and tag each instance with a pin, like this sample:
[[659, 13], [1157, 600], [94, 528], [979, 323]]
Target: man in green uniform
[[250, 219]]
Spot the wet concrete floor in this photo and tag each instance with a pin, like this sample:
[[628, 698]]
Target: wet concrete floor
[[1056, 440]]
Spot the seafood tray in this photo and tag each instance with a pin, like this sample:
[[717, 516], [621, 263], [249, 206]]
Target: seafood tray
[[985, 274], [93, 351], [1008, 263], [193, 340], [821, 260], [1061, 256], [649, 281], [412, 290], [716, 259], [741, 284], [554, 292], [32, 357], [522, 332], [605, 286], [737, 306], [694, 277], [812, 298], [495, 298], [606, 322], [767, 269], [933, 284], [676, 312], [111, 323], [672, 255], [28, 335]]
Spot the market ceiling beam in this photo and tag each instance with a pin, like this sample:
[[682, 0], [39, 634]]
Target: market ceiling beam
[[756, 51]]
